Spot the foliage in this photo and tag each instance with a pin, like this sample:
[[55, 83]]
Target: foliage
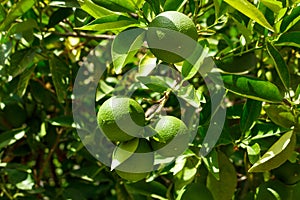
[[255, 46]]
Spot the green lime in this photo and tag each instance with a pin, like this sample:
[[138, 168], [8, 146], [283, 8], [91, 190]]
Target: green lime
[[172, 30], [172, 136], [139, 164], [121, 118]]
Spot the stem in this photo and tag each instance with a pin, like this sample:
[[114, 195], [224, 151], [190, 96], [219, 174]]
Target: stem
[[162, 103]]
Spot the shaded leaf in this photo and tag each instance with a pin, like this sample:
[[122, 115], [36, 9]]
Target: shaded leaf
[[120, 6], [250, 11], [189, 94], [195, 191], [172, 4], [24, 80], [10, 137], [280, 65], [155, 83], [251, 112], [125, 46], [273, 5], [212, 164], [281, 115], [147, 189], [278, 153], [65, 3], [290, 20], [289, 39], [16, 11], [60, 76], [109, 23], [253, 152], [63, 121], [225, 187]]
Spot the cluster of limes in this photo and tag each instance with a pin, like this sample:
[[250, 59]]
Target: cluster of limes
[[122, 120], [171, 38]]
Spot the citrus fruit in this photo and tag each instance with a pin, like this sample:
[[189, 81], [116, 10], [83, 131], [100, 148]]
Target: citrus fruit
[[121, 118], [139, 164], [172, 136], [172, 31]]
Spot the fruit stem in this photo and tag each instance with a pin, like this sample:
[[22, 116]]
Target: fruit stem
[[162, 103]]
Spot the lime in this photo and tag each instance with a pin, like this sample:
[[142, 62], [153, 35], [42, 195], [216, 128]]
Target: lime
[[172, 30], [172, 136], [139, 164], [121, 118]]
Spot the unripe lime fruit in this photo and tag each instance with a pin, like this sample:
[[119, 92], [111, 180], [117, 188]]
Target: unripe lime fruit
[[121, 118], [172, 136], [139, 164], [176, 32]]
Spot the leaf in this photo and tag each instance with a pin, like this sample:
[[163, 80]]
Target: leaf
[[198, 59], [189, 94], [109, 23], [280, 65], [281, 115], [60, 76], [251, 87], [250, 11], [24, 80], [147, 188], [250, 114], [25, 28], [196, 191], [238, 64], [273, 5], [253, 152], [65, 3], [120, 6], [225, 187], [125, 46], [2, 13], [173, 4], [93, 9], [63, 121], [10, 137], [16, 11], [289, 39], [212, 164], [278, 153], [290, 20], [20, 61], [123, 152], [155, 83], [58, 16]]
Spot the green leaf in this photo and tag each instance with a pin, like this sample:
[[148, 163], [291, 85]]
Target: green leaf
[[189, 94], [273, 5], [278, 153], [93, 9], [20, 61], [155, 83], [212, 164], [123, 152], [63, 121], [148, 189], [250, 114], [253, 152], [65, 3], [16, 11], [238, 64], [251, 87], [60, 76], [10, 137], [120, 6], [289, 39], [58, 16], [290, 20], [24, 80], [225, 187], [280, 65], [2, 13], [250, 11], [25, 28], [196, 191], [109, 23], [125, 46], [281, 115], [199, 59], [173, 4]]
